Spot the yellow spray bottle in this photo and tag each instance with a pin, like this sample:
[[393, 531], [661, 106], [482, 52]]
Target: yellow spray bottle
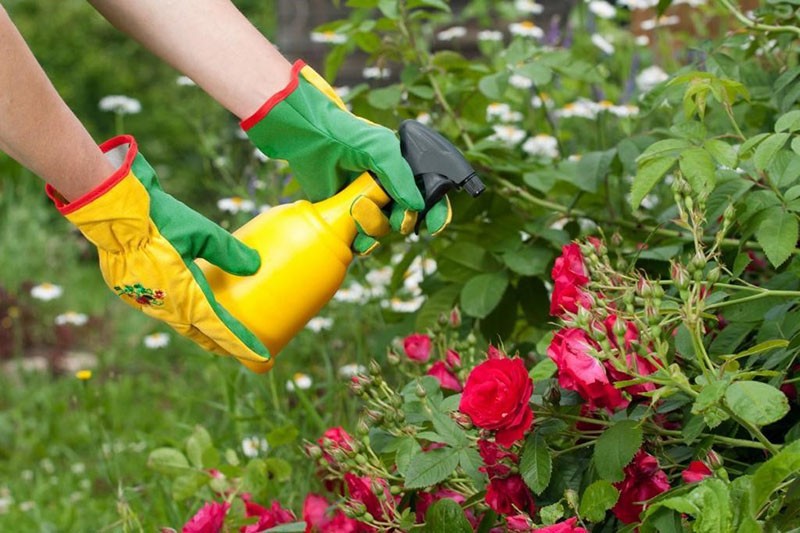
[[305, 247]]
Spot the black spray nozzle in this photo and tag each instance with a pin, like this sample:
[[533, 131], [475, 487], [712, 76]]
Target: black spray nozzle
[[438, 166]]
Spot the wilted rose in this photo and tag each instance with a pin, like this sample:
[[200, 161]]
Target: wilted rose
[[496, 398]]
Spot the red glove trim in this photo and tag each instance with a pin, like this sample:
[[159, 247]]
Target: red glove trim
[[69, 207], [276, 98]]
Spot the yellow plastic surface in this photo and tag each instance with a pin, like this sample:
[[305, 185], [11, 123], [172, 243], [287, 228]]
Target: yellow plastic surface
[[305, 253]]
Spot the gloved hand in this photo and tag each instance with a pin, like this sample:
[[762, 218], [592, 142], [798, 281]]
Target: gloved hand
[[148, 241], [327, 147]]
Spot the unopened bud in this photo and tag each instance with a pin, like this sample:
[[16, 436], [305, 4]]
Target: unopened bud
[[392, 358], [616, 239], [651, 314], [679, 275], [455, 318], [396, 490], [443, 319], [644, 288], [619, 328], [362, 428], [729, 214], [313, 451], [572, 498], [714, 460], [420, 390], [374, 368], [714, 274], [361, 459], [463, 420]]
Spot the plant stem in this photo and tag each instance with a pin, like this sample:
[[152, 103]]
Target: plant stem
[[766, 294], [754, 431], [757, 25]]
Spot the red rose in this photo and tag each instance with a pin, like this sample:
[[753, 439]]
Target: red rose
[[452, 359], [208, 519], [267, 518], [509, 495], [336, 437], [318, 518], [496, 398], [567, 526], [417, 347], [582, 373], [426, 499], [447, 380], [363, 490], [495, 353], [643, 481], [697, 471], [569, 275], [492, 455], [521, 523]]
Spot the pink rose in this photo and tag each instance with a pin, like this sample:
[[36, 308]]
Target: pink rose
[[496, 398], [697, 471], [569, 276], [643, 480], [567, 526], [510, 495], [267, 518], [447, 380], [321, 517], [582, 373], [417, 347], [208, 519]]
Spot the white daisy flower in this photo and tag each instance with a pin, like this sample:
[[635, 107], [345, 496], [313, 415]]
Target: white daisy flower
[[528, 6], [690, 3], [254, 446], [541, 145], [71, 317], [380, 277], [580, 108], [352, 369], [641, 40], [185, 81], [537, 101], [508, 134], [319, 323], [236, 204], [602, 43], [342, 91], [263, 208], [424, 118], [490, 35], [399, 305], [353, 293], [156, 340], [376, 73], [624, 111], [497, 110], [660, 22], [329, 37], [456, 32], [520, 82], [602, 9], [650, 77], [526, 29], [123, 105], [27, 506], [299, 381], [78, 468], [638, 4], [46, 291]]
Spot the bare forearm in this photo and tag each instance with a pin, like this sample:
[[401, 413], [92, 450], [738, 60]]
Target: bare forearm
[[37, 129], [209, 41]]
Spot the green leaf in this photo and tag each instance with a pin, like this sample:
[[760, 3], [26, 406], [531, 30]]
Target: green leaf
[[528, 260], [750, 144], [761, 347], [430, 468], [186, 485], [796, 145], [168, 461], [544, 369], [385, 97], [786, 79], [389, 8], [723, 153], [789, 121], [293, 527], [463, 260], [446, 516], [710, 396], [699, 170], [482, 293], [278, 469], [770, 475], [592, 169], [494, 86], [777, 234], [438, 303], [282, 435], [470, 462], [538, 73], [536, 465], [668, 148], [647, 175], [450, 432], [756, 402], [598, 498], [767, 149], [784, 169], [197, 445], [615, 449], [436, 4], [407, 450]]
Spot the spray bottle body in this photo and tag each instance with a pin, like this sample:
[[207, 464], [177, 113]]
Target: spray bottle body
[[305, 253]]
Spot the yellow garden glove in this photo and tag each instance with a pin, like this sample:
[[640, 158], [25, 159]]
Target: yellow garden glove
[[148, 241]]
